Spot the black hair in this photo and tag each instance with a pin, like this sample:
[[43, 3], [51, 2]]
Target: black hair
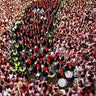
[[30, 88]]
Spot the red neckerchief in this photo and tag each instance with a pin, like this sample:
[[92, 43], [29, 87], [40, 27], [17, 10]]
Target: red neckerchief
[[70, 64], [47, 48], [41, 59], [48, 60], [94, 53], [32, 56], [34, 49], [40, 42], [60, 62], [38, 65], [23, 55], [45, 69], [34, 40], [29, 61]]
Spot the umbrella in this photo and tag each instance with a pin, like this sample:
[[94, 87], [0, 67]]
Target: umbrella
[[62, 82]]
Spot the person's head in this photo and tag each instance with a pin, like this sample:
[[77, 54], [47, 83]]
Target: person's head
[[7, 86], [30, 88]]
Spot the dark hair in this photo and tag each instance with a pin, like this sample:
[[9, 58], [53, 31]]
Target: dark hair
[[35, 91], [44, 84], [36, 82], [30, 88], [7, 86], [39, 85], [0, 89], [93, 91]]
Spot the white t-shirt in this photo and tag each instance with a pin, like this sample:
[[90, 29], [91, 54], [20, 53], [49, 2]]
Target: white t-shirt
[[6, 94]]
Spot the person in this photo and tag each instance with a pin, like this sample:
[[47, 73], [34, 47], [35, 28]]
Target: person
[[0, 90]]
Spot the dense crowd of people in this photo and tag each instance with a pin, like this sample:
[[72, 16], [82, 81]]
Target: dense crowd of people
[[9, 11], [27, 49], [76, 41]]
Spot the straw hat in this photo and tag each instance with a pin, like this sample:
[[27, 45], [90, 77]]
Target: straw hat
[[19, 84]]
